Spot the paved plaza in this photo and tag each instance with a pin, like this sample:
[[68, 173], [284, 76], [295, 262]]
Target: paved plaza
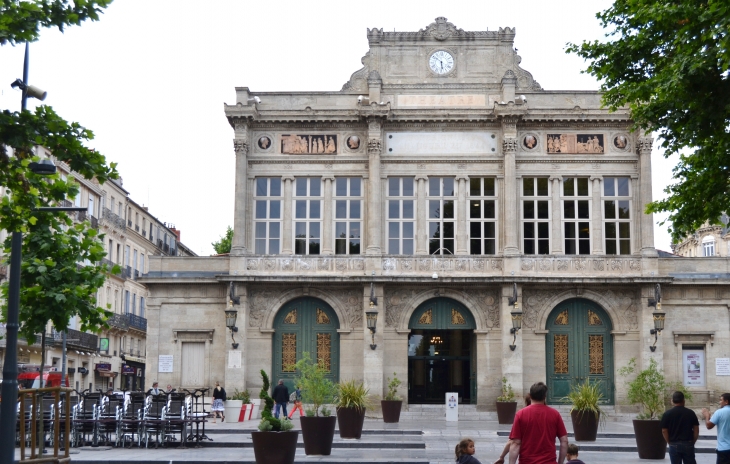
[[411, 441]]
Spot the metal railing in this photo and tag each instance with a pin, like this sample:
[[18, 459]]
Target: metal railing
[[94, 222], [127, 272], [110, 216], [77, 339], [137, 322], [35, 422], [119, 321]]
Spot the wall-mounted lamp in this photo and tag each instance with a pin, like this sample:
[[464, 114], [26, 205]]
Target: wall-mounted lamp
[[516, 317], [657, 315], [372, 316], [231, 315]]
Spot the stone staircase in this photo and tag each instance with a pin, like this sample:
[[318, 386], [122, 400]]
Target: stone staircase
[[468, 412]]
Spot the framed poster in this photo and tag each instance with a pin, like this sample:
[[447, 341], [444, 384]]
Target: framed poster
[[693, 366], [165, 363]]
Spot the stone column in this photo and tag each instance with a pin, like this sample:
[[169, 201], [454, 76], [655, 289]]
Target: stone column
[[647, 220], [596, 218], [511, 360], [499, 189], [237, 375], [421, 212], [286, 232], [240, 145], [511, 230], [375, 217], [327, 242], [461, 219], [556, 220], [373, 365]]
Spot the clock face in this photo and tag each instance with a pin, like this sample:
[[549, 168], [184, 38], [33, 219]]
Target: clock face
[[441, 62]]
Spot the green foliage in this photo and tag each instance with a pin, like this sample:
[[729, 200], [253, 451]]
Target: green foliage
[[286, 425], [244, 396], [317, 389], [393, 385], [20, 21], [55, 284], [586, 397], [668, 62], [353, 395], [224, 244], [507, 395], [273, 424], [650, 389]]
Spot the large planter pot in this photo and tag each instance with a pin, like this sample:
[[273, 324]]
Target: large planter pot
[[275, 447], [391, 410], [351, 421], [649, 439], [585, 425], [506, 411], [232, 409], [256, 406], [318, 433]]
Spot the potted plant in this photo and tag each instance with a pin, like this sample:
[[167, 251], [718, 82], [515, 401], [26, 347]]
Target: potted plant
[[318, 432], [275, 442], [234, 404], [392, 403], [650, 391], [506, 404], [585, 412], [351, 408]]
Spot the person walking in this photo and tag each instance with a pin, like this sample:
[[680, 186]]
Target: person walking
[[297, 403], [572, 455], [219, 396], [535, 429], [280, 395], [507, 445], [680, 429], [721, 419], [465, 452]]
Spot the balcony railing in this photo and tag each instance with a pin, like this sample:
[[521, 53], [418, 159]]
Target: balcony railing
[[81, 215], [110, 216], [129, 223], [94, 222], [127, 272], [137, 322], [119, 321], [66, 203], [77, 339], [136, 227]]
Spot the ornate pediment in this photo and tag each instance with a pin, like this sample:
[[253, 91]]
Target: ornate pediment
[[441, 29]]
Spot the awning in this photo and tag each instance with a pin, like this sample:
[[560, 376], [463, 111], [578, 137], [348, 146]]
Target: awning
[[105, 373], [134, 359]]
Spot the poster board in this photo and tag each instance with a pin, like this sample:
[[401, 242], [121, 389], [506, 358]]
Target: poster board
[[165, 363], [722, 366], [693, 368]]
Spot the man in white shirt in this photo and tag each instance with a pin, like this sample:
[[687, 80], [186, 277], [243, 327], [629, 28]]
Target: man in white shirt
[[155, 390]]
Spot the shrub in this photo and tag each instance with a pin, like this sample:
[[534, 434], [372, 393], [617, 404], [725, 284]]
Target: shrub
[[650, 389], [266, 416], [507, 395], [393, 388]]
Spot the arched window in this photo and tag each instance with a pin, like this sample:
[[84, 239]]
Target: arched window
[[708, 246]]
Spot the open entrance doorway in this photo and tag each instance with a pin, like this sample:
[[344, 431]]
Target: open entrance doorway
[[440, 352]]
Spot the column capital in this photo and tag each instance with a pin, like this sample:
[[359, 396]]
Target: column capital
[[328, 177], [462, 177], [509, 145], [595, 178], [555, 177], [645, 145], [289, 178], [374, 146], [240, 146], [421, 177]]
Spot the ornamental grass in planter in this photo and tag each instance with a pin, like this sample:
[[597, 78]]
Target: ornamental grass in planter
[[318, 432], [275, 442], [353, 398], [650, 391], [392, 403], [586, 412], [506, 404]]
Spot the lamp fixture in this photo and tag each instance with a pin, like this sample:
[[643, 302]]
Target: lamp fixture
[[231, 315], [658, 315], [516, 317], [372, 316]]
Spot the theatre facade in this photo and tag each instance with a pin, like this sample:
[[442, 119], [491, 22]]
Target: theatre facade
[[441, 179]]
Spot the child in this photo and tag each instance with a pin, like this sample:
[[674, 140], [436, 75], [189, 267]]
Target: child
[[465, 452], [572, 454]]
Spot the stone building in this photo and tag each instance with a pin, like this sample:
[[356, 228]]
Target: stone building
[[706, 241], [441, 177]]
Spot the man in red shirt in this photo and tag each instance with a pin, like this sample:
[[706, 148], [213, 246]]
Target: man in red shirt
[[534, 431]]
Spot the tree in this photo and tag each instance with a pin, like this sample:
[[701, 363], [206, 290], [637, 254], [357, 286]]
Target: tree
[[668, 62], [224, 244], [60, 276]]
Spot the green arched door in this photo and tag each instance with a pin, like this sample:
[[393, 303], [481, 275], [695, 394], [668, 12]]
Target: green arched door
[[579, 347], [305, 325], [440, 348]]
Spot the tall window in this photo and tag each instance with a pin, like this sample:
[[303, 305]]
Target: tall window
[[441, 216], [134, 303], [111, 248], [267, 211], [141, 263], [307, 215], [482, 216], [126, 255], [535, 216], [141, 306], [708, 246], [135, 269], [348, 215], [617, 215], [126, 301], [401, 215], [92, 211], [576, 216]]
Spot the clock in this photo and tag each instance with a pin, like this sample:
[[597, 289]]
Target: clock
[[441, 62]]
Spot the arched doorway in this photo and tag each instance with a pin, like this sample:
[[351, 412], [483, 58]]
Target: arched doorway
[[305, 325], [579, 346], [440, 348]]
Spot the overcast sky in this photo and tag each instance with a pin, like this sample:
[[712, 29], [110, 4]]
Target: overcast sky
[[150, 79]]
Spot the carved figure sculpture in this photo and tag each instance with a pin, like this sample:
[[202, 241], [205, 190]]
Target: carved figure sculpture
[[530, 141], [620, 142], [353, 142], [264, 142]]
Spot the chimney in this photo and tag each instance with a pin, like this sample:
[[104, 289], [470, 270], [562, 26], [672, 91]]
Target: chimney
[[176, 232]]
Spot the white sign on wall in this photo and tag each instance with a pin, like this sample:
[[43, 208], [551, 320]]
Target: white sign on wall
[[722, 366], [452, 407], [441, 143], [693, 362], [234, 359], [165, 363]]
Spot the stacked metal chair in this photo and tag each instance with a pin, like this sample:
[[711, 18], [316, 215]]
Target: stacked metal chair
[[109, 419], [131, 426], [153, 421], [175, 415], [84, 417]]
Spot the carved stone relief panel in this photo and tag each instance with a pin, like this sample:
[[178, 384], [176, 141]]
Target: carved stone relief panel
[[575, 143], [309, 144], [530, 142], [534, 301], [354, 143], [259, 302], [488, 301], [396, 302], [623, 303], [264, 143], [351, 300], [620, 142]]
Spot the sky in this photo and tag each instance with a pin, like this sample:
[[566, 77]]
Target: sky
[[151, 77]]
